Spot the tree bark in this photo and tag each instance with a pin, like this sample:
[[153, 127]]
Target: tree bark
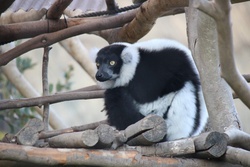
[[85, 139], [50, 156], [203, 44]]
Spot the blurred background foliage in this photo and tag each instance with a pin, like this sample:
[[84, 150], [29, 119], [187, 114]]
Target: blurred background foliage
[[11, 120]]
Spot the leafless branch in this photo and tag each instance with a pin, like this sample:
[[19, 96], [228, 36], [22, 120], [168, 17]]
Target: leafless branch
[[39, 101], [220, 11], [45, 86]]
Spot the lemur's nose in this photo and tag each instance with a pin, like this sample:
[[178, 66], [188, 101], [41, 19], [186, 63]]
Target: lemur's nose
[[102, 76]]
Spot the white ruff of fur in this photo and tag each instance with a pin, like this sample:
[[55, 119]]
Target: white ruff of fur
[[131, 58], [182, 106]]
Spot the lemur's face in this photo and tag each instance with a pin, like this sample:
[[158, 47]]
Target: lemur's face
[[109, 63]]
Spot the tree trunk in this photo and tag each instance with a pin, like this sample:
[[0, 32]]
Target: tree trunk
[[202, 40]]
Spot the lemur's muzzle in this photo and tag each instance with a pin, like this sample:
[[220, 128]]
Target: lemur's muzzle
[[103, 74]]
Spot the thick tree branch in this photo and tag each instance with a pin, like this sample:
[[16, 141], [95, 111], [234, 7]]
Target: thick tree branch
[[237, 156], [57, 8], [30, 29], [121, 34], [217, 94], [12, 32], [238, 138], [50, 156], [220, 11], [145, 19], [51, 38]]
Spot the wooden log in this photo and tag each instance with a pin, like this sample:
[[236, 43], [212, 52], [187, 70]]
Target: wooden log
[[28, 135], [237, 156], [142, 127], [156, 133], [106, 136], [210, 144], [85, 139], [48, 134], [170, 148], [9, 138], [95, 157]]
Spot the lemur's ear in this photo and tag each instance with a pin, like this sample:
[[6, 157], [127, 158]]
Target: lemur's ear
[[93, 53], [129, 53], [127, 58]]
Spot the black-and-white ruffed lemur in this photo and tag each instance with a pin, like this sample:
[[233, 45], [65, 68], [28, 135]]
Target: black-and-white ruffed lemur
[[153, 77]]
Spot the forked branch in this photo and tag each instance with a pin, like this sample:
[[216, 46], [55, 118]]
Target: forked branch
[[220, 11]]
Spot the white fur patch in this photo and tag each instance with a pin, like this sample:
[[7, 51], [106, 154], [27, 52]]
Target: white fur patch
[[181, 115], [159, 44], [203, 114], [128, 68], [158, 106]]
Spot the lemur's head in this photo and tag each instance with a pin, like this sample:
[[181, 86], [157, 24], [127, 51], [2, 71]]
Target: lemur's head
[[116, 64], [109, 63]]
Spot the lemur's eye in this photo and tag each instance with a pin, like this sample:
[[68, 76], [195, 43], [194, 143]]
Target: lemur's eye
[[97, 65], [112, 63]]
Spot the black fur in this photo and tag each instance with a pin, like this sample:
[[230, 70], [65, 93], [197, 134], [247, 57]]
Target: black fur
[[120, 108], [159, 73]]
